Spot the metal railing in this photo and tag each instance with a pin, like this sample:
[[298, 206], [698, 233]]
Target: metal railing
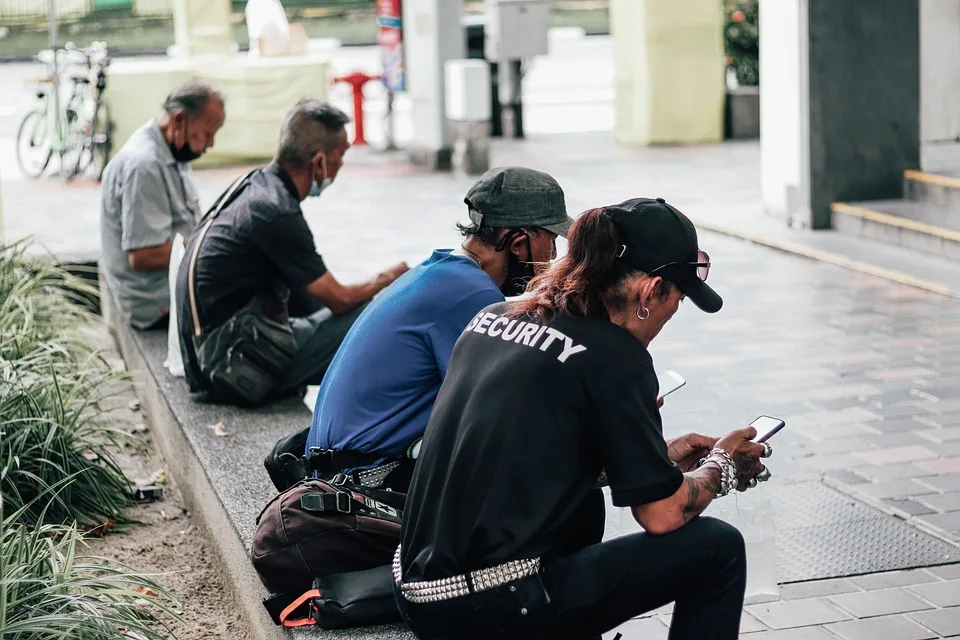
[[13, 12]]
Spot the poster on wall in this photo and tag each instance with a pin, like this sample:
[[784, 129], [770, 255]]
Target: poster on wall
[[390, 39]]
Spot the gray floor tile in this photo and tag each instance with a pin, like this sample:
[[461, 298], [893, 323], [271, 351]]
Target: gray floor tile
[[803, 633], [893, 579], [946, 622], [641, 629], [796, 613], [882, 628], [817, 589], [942, 594], [947, 571], [879, 603]]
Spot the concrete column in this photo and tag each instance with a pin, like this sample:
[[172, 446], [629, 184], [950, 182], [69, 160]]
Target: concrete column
[[432, 35], [940, 85], [669, 70], [202, 27], [856, 74]]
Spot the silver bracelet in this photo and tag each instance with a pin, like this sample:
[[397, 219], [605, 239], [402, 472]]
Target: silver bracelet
[[728, 470]]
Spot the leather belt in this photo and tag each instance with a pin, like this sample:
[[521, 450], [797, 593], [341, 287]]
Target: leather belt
[[465, 584]]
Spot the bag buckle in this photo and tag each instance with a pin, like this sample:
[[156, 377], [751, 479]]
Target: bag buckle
[[321, 460], [343, 502]]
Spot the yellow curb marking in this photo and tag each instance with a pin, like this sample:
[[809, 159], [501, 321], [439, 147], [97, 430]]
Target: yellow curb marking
[[896, 221], [932, 178], [832, 258]]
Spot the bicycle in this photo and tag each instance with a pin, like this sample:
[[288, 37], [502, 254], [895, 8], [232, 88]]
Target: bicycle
[[84, 136]]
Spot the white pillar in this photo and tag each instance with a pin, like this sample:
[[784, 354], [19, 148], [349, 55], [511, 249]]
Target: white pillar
[[784, 112], [432, 35], [202, 27], [940, 85]]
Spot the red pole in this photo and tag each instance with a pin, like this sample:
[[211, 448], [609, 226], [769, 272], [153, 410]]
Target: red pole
[[356, 80]]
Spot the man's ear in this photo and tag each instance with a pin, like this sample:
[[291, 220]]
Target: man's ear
[[520, 247]]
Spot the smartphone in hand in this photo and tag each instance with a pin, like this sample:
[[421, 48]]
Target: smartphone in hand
[[766, 427], [670, 381]]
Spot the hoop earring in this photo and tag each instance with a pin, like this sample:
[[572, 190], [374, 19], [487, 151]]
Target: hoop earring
[[646, 313]]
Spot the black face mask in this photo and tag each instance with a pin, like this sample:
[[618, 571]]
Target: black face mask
[[519, 274], [185, 153]]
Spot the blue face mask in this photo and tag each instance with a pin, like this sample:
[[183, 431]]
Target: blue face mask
[[316, 188]]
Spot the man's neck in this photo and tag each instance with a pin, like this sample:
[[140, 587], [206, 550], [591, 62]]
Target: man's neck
[[488, 259], [300, 178]]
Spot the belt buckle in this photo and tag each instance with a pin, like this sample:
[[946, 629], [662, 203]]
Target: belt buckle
[[343, 502]]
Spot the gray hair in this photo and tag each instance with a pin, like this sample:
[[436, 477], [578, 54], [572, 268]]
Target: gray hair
[[192, 97], [311, 126]]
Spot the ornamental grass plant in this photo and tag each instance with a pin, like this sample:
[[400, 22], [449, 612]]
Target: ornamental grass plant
[[53, 383], [49, 591], [58, 478]]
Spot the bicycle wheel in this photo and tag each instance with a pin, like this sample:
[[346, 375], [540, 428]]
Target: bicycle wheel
[[34, 144], [96, 143], [102, 137], [75, 143]]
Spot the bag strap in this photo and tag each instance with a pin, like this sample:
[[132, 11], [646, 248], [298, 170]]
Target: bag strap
[[288, 622], [332, 461], [225, 198]]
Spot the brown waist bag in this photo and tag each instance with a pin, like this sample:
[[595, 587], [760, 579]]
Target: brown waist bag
[[319, 529]]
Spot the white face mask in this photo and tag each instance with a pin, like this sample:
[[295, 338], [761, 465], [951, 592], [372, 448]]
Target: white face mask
[[317, 188]]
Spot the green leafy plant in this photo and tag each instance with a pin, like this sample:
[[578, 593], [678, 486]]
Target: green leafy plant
[[742, 40], [52, 387], [49, 591]]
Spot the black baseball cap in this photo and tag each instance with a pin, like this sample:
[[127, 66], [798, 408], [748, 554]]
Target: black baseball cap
[[658, 239], [512, 197]]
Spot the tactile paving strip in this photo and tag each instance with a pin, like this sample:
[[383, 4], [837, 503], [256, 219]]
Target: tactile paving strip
[[822, 533]]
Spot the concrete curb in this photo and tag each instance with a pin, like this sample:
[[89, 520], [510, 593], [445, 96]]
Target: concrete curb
[[830, 258], [194, 484]]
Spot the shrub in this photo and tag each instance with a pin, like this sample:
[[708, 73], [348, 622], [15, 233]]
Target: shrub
[[48, 591], [742, 40], [52, 385]]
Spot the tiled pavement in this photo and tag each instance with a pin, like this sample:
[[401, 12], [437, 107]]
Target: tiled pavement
[[864, 371], [903, 605]]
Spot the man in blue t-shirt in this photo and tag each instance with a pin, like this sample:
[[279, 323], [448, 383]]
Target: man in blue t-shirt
[[377, 394]]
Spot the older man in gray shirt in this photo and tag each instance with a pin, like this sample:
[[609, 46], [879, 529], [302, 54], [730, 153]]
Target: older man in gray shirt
[[148, 197]]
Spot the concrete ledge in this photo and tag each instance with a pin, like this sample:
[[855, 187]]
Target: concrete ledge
[[222, 478], [939, 189], [881, 260]]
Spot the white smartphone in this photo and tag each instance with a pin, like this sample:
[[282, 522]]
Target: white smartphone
[[766, 427], [670, 381]]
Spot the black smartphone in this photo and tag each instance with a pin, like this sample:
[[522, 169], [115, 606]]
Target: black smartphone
[[766, 427]]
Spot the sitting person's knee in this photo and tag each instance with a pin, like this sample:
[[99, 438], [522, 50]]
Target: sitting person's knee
[[723, 537]]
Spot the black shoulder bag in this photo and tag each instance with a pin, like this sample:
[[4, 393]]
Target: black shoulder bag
[[244, 358]]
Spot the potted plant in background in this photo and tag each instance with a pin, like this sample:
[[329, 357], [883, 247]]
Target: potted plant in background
[[741, 35]]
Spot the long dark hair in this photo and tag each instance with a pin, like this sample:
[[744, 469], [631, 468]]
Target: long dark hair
[[586, 280]]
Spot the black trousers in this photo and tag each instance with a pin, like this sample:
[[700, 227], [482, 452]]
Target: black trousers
[[701, 567]]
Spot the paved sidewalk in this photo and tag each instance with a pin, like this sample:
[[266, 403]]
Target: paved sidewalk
[[864, 370]]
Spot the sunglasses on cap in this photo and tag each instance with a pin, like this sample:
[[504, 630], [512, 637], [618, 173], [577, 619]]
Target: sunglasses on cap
[[702, 265]]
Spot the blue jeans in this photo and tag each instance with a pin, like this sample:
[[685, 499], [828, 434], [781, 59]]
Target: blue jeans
[[701, 567], [318, 337]]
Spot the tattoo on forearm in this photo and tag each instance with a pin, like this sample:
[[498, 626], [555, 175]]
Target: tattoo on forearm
[[707, 481]]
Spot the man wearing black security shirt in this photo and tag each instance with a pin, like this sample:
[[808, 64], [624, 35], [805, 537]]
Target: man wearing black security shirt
[[541, 395], [260, 245]]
